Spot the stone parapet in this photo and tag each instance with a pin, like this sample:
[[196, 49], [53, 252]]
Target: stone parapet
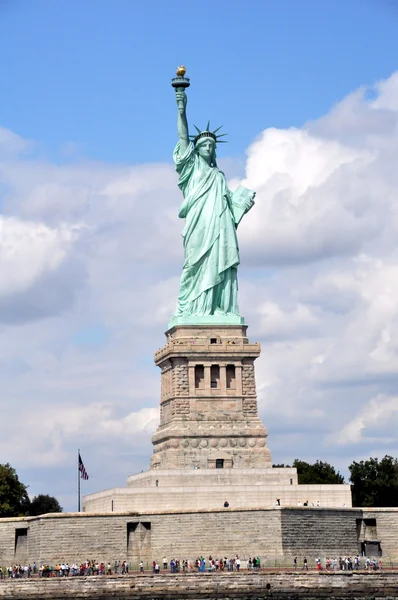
[[202, 586], [201, 350], [197, 477]]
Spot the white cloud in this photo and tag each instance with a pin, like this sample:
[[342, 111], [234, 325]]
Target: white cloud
[[29, 250], [378, 416], [304, 211], [11, 144], [49, 437], [90, 257]]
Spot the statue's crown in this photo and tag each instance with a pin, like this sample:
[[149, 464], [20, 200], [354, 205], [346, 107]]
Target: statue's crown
[[208, 133]]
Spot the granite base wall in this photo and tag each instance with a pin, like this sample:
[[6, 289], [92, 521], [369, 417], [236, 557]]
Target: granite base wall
[[386, 529], [242, 586], [269, 533], [328, 533]]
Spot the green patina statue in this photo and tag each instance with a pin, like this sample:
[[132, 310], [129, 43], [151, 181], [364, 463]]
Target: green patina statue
[[209, 283]]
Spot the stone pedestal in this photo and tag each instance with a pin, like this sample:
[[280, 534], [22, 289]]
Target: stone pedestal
[[210, 449], [208, 407]]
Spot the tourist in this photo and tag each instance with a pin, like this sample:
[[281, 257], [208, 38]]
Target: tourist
[[164, 563], [305, 564], [141, 567], [295, 563]]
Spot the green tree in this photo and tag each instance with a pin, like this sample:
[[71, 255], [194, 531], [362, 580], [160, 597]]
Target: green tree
[[318, 473], [375, 482], [14, 499], [43, 503]]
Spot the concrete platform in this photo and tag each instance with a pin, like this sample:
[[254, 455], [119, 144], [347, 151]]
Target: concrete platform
[[210, 488]]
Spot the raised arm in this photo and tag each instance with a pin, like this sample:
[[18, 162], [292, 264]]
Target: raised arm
[[182, 123]]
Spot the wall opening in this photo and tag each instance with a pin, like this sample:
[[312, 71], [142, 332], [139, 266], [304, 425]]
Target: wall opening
[[215, 376], [112, 506], [131, 529], [219, 463], [213, 340], [370, 529], [199, 377], [138, 536], [371, 548], [21, 541], [231, 377]]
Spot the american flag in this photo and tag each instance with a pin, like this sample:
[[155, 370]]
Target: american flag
[[82, 469]]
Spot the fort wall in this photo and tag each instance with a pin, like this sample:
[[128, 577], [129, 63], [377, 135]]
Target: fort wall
[[273, 534]]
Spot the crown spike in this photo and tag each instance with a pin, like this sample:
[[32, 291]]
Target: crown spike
[[207, 133]]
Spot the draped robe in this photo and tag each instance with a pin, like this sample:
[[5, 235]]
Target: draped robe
[[209, 283]]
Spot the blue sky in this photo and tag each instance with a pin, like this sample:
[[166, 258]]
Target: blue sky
[[92, 79], [90, 244]]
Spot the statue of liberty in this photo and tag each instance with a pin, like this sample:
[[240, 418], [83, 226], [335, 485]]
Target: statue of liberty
[[209, 283]]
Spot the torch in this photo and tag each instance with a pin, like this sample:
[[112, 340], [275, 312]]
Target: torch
[[180, 81]]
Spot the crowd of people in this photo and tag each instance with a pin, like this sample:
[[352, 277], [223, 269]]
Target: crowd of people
[[343, 563], [89, 567], [200, 565]]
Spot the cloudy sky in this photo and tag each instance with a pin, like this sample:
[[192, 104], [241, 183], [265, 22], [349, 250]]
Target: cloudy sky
[[90, 246]]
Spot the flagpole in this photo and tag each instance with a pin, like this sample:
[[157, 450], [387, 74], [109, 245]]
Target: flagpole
[[78, 481]]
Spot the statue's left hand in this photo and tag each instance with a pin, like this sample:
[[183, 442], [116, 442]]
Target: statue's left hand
[[251, 201]]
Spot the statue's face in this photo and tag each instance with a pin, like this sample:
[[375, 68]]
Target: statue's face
[[205, 148]]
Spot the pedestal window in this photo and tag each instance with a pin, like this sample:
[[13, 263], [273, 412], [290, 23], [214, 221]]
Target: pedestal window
[[231, 377], [215, 376], [199, 377]]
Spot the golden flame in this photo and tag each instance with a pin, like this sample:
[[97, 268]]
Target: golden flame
[[180, 72]]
